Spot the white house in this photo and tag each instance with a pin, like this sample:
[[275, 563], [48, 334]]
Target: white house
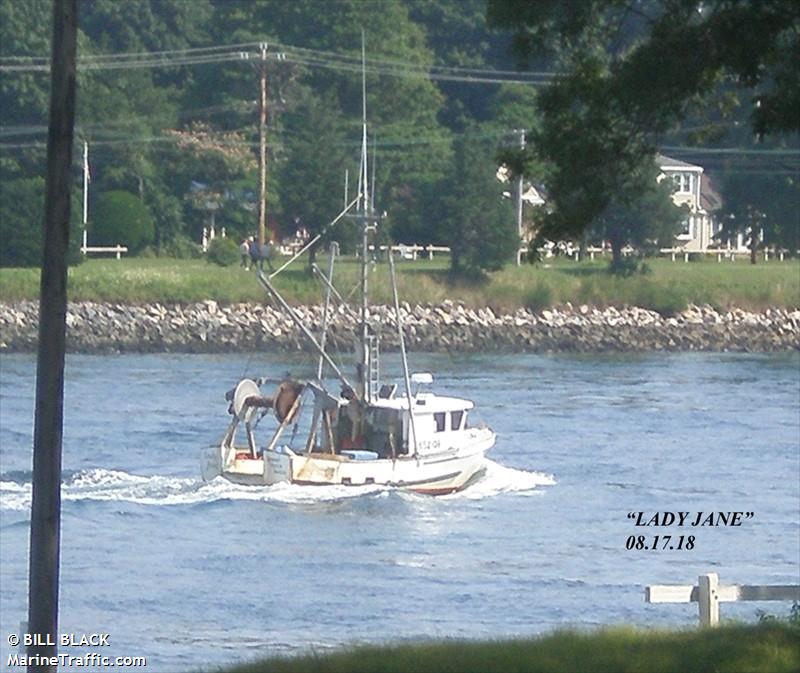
[[692, 189]]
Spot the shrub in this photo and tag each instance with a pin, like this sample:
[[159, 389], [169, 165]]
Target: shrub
[[666, 300], [121, 218], [181, 247], [629, 266], [624, 267], [541, 296], [21, 224], [223, 251]]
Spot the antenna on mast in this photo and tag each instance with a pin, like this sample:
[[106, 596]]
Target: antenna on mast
[[374, 163], [367, 367], [363, 178]]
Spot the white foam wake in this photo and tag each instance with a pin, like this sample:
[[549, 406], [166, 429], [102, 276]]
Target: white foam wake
[[499, 479], [117, 486]]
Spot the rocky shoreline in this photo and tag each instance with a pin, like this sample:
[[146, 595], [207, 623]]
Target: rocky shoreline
[[207, 327]]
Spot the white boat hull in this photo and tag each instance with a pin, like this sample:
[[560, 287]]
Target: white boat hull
[[435, 473]]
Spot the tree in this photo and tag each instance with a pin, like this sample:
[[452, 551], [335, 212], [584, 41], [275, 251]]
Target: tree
[[137, 104], [314, 172], [649, 220], [633, 70], [456, 32], [413, 147], [21, 213], [21, 216], [475, 221], [210, 168], [122, 218], [761, 204]]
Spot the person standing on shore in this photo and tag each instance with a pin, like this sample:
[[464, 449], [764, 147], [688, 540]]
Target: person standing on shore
[[253, 249], [265, 256], [244, 251]]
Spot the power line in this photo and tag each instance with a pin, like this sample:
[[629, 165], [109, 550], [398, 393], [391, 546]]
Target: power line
[[730, 150], [299, 55]]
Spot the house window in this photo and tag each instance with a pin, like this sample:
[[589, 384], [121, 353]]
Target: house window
[[455, 420], [684, 182], [686, 226], [440, 419]]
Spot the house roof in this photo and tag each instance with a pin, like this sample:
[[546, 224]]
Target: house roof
[[665, 162], [533, 193], [710, 199]]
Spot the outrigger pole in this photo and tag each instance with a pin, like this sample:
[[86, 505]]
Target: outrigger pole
[[334, 248], [399, 322], [316, 238], [269, 287], [318, 272]]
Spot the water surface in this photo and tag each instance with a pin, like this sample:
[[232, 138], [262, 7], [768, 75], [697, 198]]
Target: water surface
[[193, 575]]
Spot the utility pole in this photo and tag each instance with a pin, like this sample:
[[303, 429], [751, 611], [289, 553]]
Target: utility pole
[[45, 540], [262, 140], [519, 196]]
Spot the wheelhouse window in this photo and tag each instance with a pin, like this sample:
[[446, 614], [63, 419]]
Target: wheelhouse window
[[440, 418], [456, 418]]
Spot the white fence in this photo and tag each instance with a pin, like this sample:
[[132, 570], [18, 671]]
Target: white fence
[[674, 253], [117, 250], [413, 251], [709, 593]]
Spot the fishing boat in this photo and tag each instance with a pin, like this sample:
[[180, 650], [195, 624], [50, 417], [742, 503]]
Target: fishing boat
[[354, 433]]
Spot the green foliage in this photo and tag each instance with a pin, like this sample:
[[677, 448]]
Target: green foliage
[[670, 284], [541, 296], [624, 266], [22, 224], [475, 220], [21, 217], [641, 213], [631, 76], [315, 169], [223, 251], [764, 202], [764, 648], [792, 619], [184, 138], [121, 218], [181, 247]]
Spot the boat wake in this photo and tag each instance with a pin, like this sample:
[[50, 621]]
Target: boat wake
[[498, 479], [117, 486]]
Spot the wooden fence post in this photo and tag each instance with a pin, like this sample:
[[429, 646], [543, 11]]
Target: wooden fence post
[[708, 599], [709, 593]]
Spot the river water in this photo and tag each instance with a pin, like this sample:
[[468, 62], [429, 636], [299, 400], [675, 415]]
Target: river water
[[195, 575]]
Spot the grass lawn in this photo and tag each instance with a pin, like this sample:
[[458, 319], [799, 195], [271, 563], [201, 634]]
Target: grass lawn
[[669, 287], [767, 648]]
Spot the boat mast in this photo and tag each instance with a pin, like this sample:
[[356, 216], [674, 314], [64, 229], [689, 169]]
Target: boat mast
[[365, 212]]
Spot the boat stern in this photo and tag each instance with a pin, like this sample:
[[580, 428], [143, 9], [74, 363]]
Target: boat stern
[[211, 463]]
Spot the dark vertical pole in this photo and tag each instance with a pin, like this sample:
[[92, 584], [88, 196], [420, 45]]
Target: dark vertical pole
[[46, 503], [262, 155]]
